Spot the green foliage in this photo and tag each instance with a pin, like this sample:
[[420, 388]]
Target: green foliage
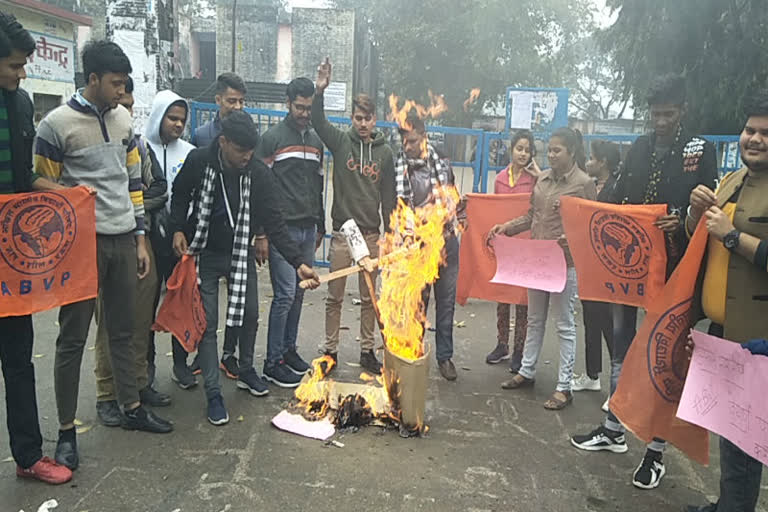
[[721, 46], [453, 46]]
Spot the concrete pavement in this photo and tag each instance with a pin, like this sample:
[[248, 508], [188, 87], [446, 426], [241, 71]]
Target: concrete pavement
[[488, 449]]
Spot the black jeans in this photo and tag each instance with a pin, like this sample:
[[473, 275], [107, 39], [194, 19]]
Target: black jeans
[[16, 337], [445, 299], [213, 266], [740, 477], [598, 324]]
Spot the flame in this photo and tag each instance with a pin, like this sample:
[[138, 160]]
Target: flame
[[473, 96], [400, 115], [403, 279], [312, 394]]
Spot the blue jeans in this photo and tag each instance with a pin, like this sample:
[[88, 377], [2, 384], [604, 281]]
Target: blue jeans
[[288, 298], [213, 266], [563, 305], [445, 299]]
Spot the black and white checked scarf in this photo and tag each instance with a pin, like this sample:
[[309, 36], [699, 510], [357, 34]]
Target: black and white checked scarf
[[438, 174], [238, 274]]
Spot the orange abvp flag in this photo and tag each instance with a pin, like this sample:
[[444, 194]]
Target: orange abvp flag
[[477, 264], [182, 312], [47, 250], [652, 378], [620, 256]]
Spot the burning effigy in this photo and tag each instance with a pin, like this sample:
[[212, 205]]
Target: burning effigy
[[412, 252]]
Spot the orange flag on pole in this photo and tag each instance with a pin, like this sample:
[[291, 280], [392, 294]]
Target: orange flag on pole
[[47, 250], [620, 256], [477, 264], [652, 378]]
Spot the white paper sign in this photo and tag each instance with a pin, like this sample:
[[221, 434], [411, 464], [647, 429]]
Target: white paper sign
[[54, 59], [336, 96], [522, 110]]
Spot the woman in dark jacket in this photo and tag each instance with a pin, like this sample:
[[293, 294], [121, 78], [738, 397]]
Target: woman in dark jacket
[[602, 166]]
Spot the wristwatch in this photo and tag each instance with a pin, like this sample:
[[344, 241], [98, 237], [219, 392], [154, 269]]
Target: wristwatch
[[731, 240]]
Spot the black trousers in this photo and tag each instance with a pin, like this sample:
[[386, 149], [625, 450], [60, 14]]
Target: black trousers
[[16, 337], [598, 324]]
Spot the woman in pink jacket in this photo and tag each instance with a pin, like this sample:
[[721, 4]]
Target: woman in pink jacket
[[518, 178]]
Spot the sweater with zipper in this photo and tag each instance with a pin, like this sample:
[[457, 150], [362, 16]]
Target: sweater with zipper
[[363, 174], [296, 160], [79, 145]]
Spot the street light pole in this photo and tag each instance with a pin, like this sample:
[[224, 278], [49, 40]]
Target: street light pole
[[234, 32]]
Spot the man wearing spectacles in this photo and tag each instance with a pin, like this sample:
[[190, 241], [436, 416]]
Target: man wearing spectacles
[[294, 152]]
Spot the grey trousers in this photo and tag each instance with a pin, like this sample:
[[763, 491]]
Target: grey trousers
[[116, 265]]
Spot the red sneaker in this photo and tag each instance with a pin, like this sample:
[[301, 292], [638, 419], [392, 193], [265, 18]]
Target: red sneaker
[[46, 470]]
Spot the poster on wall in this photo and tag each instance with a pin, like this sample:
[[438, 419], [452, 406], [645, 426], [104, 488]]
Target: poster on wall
[[336, 97], [538, 110], [144, 73], [54, 59]]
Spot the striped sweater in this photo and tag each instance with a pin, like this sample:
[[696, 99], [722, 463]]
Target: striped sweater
[[78, 145]]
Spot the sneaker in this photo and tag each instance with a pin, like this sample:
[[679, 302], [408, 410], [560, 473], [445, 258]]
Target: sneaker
[[280, 375], [152, 397], [605, 406], [447, 369], [183, 376], [251, 381], [369, 362], [217, 413], [649, 473], [66, 449], [601, 439], [295, 363], [230, 367], [499, 354], [195, 366], [109, 413], [46, 471], [585, 383]]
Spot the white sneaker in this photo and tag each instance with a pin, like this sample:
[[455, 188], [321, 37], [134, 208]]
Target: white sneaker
[[605, 404], [584, 383]]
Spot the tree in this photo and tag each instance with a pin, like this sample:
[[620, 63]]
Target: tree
[[721, 46], [596, 90], [452, 46]]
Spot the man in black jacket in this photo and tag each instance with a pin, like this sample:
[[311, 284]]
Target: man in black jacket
[[17, 132], [230, 193], [660, 168], [295, 153]]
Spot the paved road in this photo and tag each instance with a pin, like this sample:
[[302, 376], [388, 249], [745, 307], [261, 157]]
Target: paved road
[[488, 449]]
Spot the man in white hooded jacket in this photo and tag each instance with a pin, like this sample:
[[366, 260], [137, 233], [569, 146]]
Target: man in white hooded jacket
[[167, 121]]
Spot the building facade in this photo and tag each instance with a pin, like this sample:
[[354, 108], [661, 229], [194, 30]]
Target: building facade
[[51, 68]]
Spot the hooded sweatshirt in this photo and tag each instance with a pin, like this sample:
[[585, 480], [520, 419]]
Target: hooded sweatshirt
[[363, 176], [171, 156]]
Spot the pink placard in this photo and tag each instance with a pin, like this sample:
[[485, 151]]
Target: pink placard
[[533, 264], [725, 393]]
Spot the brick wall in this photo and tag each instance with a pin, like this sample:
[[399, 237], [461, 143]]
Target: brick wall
[[318, 33], [256, 39]]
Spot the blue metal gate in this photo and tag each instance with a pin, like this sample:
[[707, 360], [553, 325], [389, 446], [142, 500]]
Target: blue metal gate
[[474, 154]]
